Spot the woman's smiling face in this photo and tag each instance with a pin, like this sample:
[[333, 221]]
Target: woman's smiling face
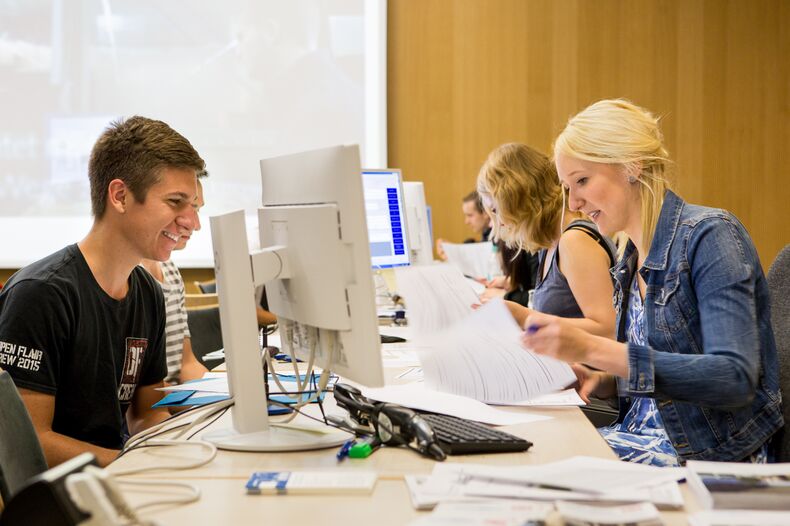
[[600, 190]]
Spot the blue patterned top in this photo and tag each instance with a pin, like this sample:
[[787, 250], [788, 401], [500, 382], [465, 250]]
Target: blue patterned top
[[641, 436]]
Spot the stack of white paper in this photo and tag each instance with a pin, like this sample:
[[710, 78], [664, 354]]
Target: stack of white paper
[[575, 479], [482, 358], [437, 297]]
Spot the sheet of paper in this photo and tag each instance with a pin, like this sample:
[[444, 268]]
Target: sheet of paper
[[665, 496], [219, 354], [478, 287], [207, 385], [412, 374], [739, 518], [417, 396], [399, 357], [476, 480], [641, 513], [218, 384], [426, 491], [436, 296], [486, 513], [470, 258], [584, 474], [481, 357], [566, 398]]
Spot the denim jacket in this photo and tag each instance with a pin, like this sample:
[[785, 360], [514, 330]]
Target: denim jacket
[[710, 361]]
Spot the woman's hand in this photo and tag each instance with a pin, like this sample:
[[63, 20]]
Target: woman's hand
[[595, 383], [440, 250], [490, 294], [499, 282], [555, 337]]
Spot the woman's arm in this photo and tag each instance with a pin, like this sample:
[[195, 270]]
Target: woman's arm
[[724, 372], [585, 265], [720, 363]]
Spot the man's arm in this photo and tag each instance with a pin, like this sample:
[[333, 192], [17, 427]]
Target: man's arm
[[58, 448], [141, 415], [191, 368]]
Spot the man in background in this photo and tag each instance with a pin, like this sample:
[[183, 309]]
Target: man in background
[[475, 217]]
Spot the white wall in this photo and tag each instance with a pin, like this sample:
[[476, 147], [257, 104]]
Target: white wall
[[242, 80]]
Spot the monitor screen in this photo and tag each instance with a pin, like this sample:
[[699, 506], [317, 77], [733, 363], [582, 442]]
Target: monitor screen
[[386, 218], [420, 239]]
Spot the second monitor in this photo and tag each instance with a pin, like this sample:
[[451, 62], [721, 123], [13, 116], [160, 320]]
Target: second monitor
[[386, 218]]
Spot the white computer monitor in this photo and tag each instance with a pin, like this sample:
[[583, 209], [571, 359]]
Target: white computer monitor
[[315, 263], [419, 223], [386, 218]]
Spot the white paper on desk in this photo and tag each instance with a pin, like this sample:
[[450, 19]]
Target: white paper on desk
[[665, 496], [470, 258], [739, 518], [399, 357], [417, 396], [426, 491], [412, 374], [586, 474], [566, 398], [504, 482], [437, 297], [486, 513], [636, 513], [219, 385], [482, 358]]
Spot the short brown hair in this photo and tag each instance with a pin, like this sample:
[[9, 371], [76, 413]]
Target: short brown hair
[[135, 150], [473, 196], [524, 185]]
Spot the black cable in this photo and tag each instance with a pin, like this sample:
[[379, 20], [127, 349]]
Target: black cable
[[153, 435], [166, 429], [386, 428], [214, 419]]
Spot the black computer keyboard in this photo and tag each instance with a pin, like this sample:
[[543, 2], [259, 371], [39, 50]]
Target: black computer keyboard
[[458, 436]]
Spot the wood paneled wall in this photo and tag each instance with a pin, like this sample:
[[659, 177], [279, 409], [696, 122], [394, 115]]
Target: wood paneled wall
[[467, 75]]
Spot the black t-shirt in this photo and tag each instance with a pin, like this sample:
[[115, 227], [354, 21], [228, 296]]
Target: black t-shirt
[[61, 334]]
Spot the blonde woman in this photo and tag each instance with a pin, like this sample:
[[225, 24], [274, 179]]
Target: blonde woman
[[520, 189], [695, 363]]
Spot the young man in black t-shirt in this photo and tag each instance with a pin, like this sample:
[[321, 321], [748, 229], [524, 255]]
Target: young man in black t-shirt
[[82, 330]]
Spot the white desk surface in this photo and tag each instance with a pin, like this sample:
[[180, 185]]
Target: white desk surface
[[224, 499]]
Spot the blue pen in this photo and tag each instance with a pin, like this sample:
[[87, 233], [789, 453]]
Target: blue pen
[[344, 449], [532, 329]]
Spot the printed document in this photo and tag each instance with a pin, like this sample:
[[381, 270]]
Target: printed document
[[472, 259], [482, 357], [417, 396], [437, 296]]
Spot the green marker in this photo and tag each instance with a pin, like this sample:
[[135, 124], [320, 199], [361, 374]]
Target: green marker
[[364, 449]]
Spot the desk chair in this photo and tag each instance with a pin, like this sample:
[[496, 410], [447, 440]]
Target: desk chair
[[205, 330], [21, 456], [207, 287], [779, 287]]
